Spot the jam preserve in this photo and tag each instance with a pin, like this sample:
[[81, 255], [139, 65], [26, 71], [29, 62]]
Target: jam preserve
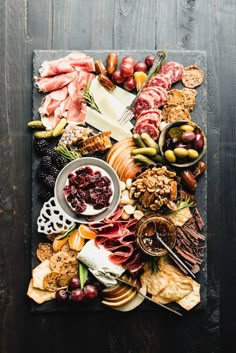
[[146, 230]]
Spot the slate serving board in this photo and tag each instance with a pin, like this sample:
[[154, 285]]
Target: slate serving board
[[199, 115]]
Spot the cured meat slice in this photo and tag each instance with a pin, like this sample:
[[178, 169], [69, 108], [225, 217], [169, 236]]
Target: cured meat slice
[[154, 112], [55, 67], [49, 84], [52, 101], [154, 96], [67, 64], [143, 103], [157, 91], [175, 69], [150, 119], [160, 80], [148, 128]]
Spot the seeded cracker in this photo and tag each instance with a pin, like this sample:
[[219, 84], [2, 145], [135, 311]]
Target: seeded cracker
[[178, 113], [176, 97], [193, 76], [52, 283], [44, 251], [63, 263]]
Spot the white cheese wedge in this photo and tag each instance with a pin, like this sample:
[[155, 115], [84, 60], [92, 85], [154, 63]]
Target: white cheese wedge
[[39, 273], [97, 259], [102, 123], [111, 104]]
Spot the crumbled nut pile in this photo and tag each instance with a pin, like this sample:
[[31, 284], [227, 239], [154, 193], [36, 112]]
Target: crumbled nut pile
[[154, 188]]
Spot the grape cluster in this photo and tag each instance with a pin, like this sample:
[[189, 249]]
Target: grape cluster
[[74, 292], [125, 74]]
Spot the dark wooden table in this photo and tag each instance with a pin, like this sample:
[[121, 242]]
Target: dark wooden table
[[109, 24]]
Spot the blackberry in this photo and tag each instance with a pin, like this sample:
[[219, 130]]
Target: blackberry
[[40, 145], [49, 181], [59, 161], [45, 195], [41, 175], [54, 171], [46, 163], [49, 151]]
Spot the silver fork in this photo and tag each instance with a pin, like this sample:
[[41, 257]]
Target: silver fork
[[128, 114]]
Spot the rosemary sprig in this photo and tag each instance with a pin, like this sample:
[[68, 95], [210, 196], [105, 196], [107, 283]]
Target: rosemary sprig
[[68, 153], [89, 99], [183, 203]]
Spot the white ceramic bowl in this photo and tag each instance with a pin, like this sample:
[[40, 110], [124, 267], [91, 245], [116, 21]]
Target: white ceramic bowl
[[61, 181]]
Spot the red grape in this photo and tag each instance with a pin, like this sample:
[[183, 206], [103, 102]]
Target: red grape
[[128, 59], [130, 84], [61, 295], [90, 291], [117, 77], [77, 295], [74, 282], [126, 70], [149, 60], [140, 66]]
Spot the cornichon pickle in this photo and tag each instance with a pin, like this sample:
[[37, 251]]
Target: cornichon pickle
[[43, 134], [157, 158], [149, 151], [143, 159], [149, 141], [138, 141], [57, 130], [36, 124], [187, 127], [170, 156], [180, 152], [192, 154]]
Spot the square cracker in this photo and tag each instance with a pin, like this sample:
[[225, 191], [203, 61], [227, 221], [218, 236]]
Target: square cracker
[[39, 273], [38, 295]]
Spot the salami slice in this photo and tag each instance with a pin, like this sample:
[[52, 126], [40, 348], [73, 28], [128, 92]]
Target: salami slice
[[174, 68], [155, 96], [150, 119], [155, 112], [148, 128], [159, 91], [160, 80], [143, 103]]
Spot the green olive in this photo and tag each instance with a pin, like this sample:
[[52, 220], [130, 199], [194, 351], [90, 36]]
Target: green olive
[[193, 154], [170, 156], [180, 152], [187, 127]]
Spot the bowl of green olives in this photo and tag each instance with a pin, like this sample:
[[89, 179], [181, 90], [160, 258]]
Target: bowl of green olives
[[182, 143]]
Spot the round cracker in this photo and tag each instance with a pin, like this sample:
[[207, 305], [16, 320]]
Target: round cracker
[[176, 97], [178, 113], [189, 100], [166, 109], [66, 248], [44, 251], [51, 281], [64, 263], [193, 76]]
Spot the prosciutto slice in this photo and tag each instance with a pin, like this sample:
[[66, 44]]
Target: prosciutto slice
[[71, 62], [49, 84], [119, 238], [66, 97]]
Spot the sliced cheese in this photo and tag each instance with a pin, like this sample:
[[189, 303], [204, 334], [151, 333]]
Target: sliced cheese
[[111, 104], [103, 123]]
